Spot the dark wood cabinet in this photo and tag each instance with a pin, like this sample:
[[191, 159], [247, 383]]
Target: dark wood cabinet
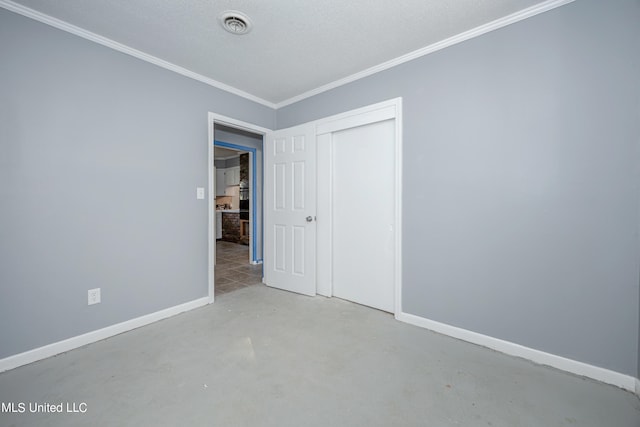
[[231, 227]]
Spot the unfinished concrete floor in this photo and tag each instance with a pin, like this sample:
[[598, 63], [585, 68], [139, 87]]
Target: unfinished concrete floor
[[262, 357]]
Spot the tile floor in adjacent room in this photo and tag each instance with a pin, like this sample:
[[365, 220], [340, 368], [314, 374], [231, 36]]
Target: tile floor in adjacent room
[[264, 357], [233, 270]]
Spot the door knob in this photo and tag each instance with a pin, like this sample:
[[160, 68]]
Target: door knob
[[309, 218]]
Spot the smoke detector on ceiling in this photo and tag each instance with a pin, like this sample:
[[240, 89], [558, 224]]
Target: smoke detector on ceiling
[[235, 22]]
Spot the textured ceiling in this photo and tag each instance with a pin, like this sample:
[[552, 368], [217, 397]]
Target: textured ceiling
[[295, 46]]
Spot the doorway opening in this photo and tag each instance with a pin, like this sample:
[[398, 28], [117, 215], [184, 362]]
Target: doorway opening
[[235, 224]]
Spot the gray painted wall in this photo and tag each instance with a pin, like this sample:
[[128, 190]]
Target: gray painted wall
[[246, 139], [100, 157], [521, 180]]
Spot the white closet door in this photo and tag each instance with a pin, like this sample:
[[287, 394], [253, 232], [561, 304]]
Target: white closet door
[[363, 188]]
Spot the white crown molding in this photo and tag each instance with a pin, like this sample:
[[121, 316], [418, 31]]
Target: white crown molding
[[475, 32], [618, 379], [63, 346], [80, 32]]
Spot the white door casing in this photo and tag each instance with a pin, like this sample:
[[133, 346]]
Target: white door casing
[[290, 209]]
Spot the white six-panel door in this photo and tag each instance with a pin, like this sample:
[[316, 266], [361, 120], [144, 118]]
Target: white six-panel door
[[290, 209]]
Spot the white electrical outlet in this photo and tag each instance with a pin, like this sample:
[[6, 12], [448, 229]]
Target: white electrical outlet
[[200, 193], [93, 296]]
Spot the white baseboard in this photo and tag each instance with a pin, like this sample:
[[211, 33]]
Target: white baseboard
[[623, 381], [49, 350]]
